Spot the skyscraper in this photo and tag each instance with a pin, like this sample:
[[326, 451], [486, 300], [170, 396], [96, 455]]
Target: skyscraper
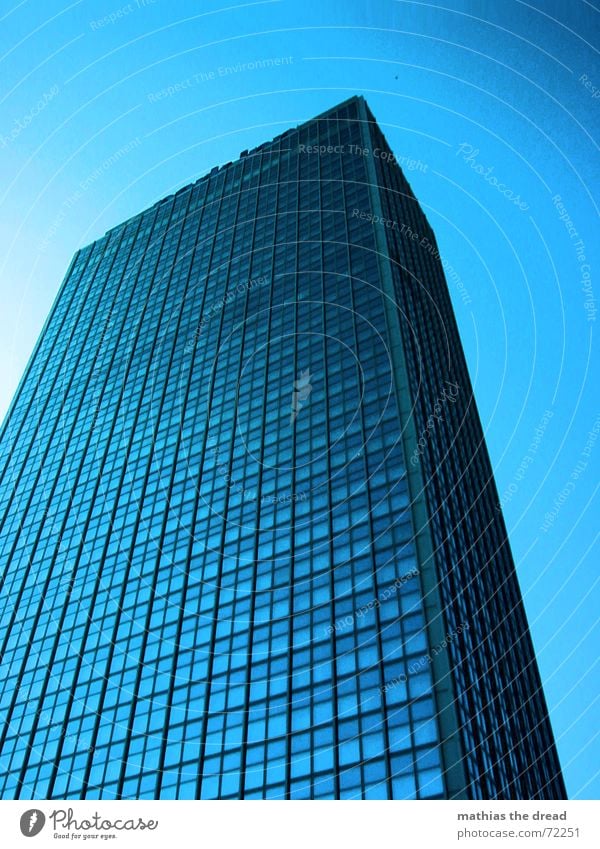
[[251, 542]]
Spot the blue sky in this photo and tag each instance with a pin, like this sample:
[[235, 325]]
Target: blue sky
[[108, 106]]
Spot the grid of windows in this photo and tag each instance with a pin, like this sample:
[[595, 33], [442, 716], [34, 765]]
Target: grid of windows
[[507, 739], [211, 580]]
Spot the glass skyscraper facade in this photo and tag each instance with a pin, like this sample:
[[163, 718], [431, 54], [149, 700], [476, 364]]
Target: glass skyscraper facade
[[250, 539]]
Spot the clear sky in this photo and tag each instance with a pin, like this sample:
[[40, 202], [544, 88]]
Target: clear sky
[[106, 106]]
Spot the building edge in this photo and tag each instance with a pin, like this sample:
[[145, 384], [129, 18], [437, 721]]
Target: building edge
[[447, 716]]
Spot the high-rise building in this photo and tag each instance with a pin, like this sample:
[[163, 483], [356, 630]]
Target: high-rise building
[[251, 543]]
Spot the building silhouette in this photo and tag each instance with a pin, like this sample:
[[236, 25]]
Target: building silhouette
[[251, 545]]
